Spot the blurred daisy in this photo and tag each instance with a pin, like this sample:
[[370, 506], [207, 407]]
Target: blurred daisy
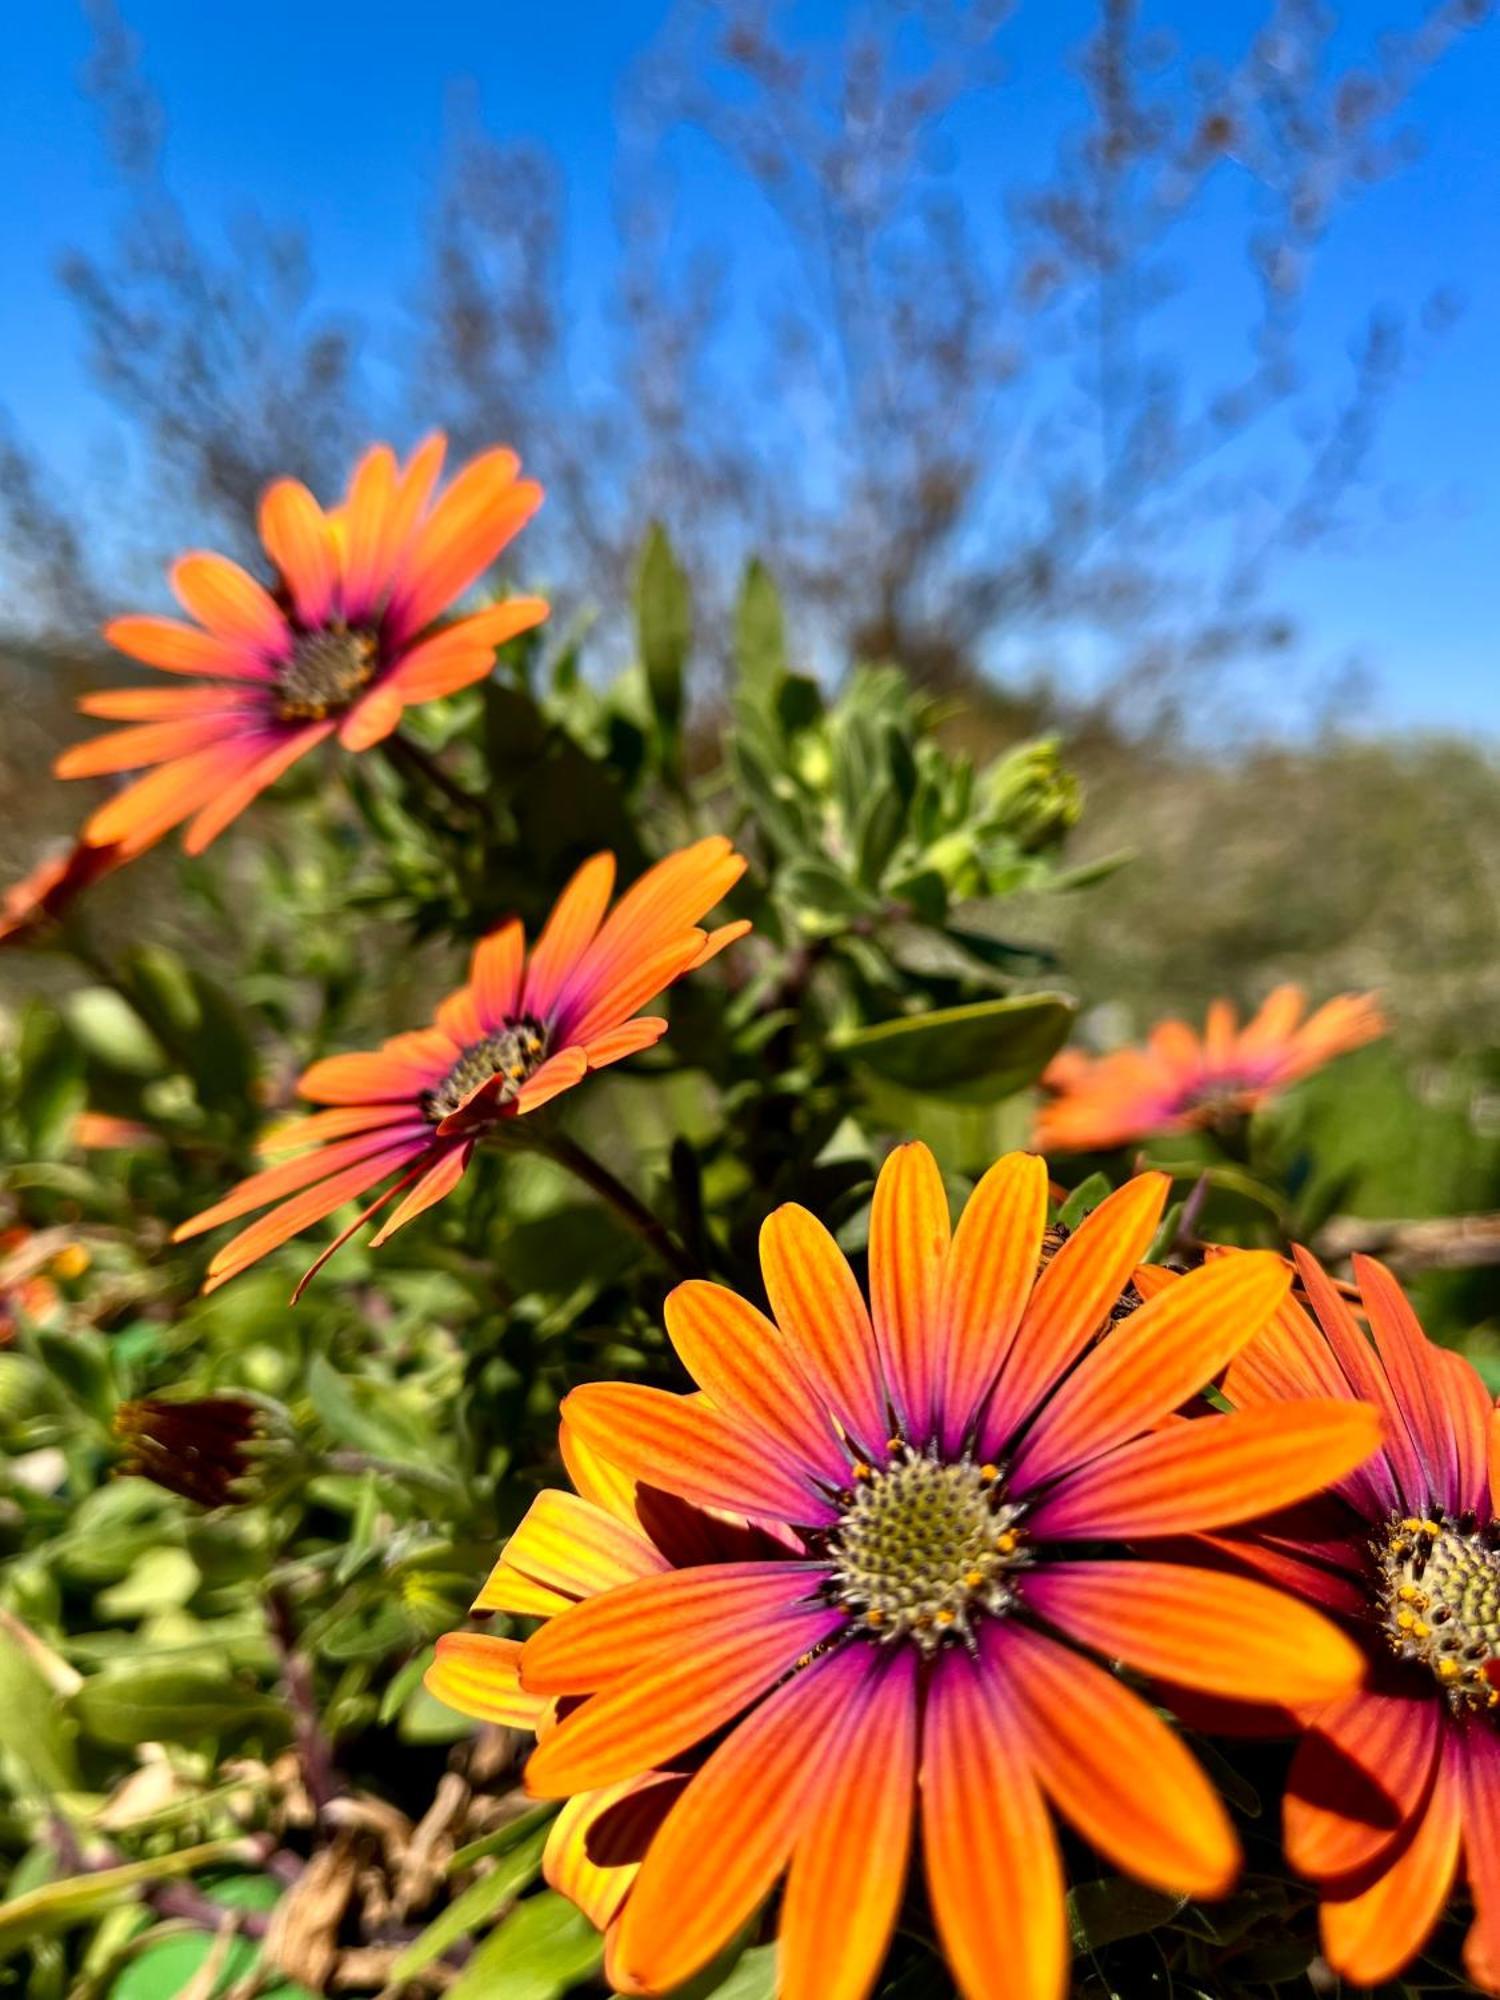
[[1181, 1080], [931, 1493], [524, 1028], [26, 1291], [344, 642], [29, 907], [1399, 1783]]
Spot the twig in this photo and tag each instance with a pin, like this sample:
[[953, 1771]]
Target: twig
[[1436, 1243], [312, 1745], [652, 1231], [412, 760]]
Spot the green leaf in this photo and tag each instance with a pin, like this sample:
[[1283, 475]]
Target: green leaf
[[113, 1033], [543, 1947], [33, 1727], [145, 1700], [975, 1054], [759, 633], [1083, 1200], [817, 888], [664, 627], [478, 1904], [1101, 1913], [52, 1088], [78, 1899]]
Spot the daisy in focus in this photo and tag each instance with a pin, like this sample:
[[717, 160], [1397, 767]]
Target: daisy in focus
[[1181, 1081], [1398, 1785], [865, 1578], [344, 641], [526, 1027]]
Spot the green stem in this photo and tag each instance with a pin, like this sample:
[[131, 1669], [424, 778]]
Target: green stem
[[652, 1231], [413, 761]]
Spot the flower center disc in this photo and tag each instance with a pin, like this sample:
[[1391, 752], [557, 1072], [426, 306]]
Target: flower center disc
[[512, 1053], [1440, 1595], [323, 673], [922, 1547]]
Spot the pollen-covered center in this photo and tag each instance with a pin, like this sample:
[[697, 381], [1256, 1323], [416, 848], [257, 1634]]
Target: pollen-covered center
[[510, 1054], [923, 1547], [323, 673], [1439, 1588]]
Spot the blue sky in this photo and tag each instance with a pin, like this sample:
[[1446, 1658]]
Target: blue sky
[[332, 113]]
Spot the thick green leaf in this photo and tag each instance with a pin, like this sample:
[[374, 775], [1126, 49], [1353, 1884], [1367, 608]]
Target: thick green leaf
[[142, 1700], [541, 1949], [33, 1727], [664, 626], [976, 1054], [1101, 1913], [759, 633]]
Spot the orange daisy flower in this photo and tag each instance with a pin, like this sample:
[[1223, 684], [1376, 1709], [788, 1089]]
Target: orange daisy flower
[[25, 1290], [1180, 1080], [522, 1030], [1398, 1784], [864, 1575], [39, 899], [344, 642]]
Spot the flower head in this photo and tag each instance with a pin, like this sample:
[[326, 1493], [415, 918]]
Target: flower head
[[1399, 1783], [1181, 1080], [526, 1027], [199, 1448], [866, 1574], [26, 1290], [29, 907], [344, 641]]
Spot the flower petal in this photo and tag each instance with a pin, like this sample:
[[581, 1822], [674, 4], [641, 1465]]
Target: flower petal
[[569, 931], [743, 1362], [599, 1839], [1481, 1829], [1362, 1771], [695, 1451], [185, 649], [149, 743], [1210, 1472], [372, 493], [909, 1234], [495, 974], [557, 1074], [272, 1183], [818, 1306], [228, 600], [994, 1876], [1224, 1634], [1152, 1362], [1072, 1299], [1115, 1769], [576, 1548], [476, 1673], [728, 1837], [298, 540], [1371, 1936], [278, 756], [992, 1268], [615, 1044], [646, 1719], [604, 1639], [848, 1870], [439, 1181]]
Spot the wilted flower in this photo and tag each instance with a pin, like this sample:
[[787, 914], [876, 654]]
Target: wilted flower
[[1181, 1081], [521, 1031], [867, 1573], [344, 642], [197, 1447]]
